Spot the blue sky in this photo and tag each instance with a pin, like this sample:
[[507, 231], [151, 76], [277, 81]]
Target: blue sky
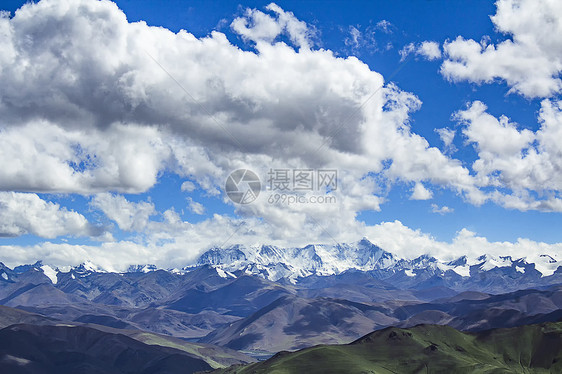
[[144, 211]]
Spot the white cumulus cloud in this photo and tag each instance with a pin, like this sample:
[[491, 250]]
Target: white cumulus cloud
[[525, 162], [529, 61], [129, 216], [27, 213], [94, 104], [419, 192]]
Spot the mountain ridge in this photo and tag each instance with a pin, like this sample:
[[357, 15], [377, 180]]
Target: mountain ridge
[[295, 263]]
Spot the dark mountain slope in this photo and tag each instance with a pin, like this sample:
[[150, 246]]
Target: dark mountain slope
[[157, 320], [11, 316], [241, 297], [79, 349], [478, 311], [215, 356], [292, 323]]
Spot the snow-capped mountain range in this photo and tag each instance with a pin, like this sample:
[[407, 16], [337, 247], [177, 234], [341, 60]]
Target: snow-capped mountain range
[[277, 263]]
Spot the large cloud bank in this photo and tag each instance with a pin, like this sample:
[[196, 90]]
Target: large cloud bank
[[95, 105]]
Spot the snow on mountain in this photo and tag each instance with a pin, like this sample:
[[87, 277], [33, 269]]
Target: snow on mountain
[[275, 263], [141, 268], [489, 262], [5, 272], [546, 264], [50, 273], [23, 268], [224, 274], [90, 266], [84, 269]]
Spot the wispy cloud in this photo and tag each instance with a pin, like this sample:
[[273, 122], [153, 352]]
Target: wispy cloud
[[429, 50], [441, 210]]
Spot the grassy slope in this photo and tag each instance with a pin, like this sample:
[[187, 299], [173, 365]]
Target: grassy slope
[[428, 349], [216, 357]]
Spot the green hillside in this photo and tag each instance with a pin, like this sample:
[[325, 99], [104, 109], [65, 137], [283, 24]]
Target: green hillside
[[427, 349]]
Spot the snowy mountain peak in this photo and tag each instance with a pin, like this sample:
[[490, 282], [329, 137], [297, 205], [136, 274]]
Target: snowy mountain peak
[[86, 268], [23, 268], [548, 258], [275, 263], [141, 268], [217, 256], [367, 244], [6, 273], [293, 263], [461, 261]]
